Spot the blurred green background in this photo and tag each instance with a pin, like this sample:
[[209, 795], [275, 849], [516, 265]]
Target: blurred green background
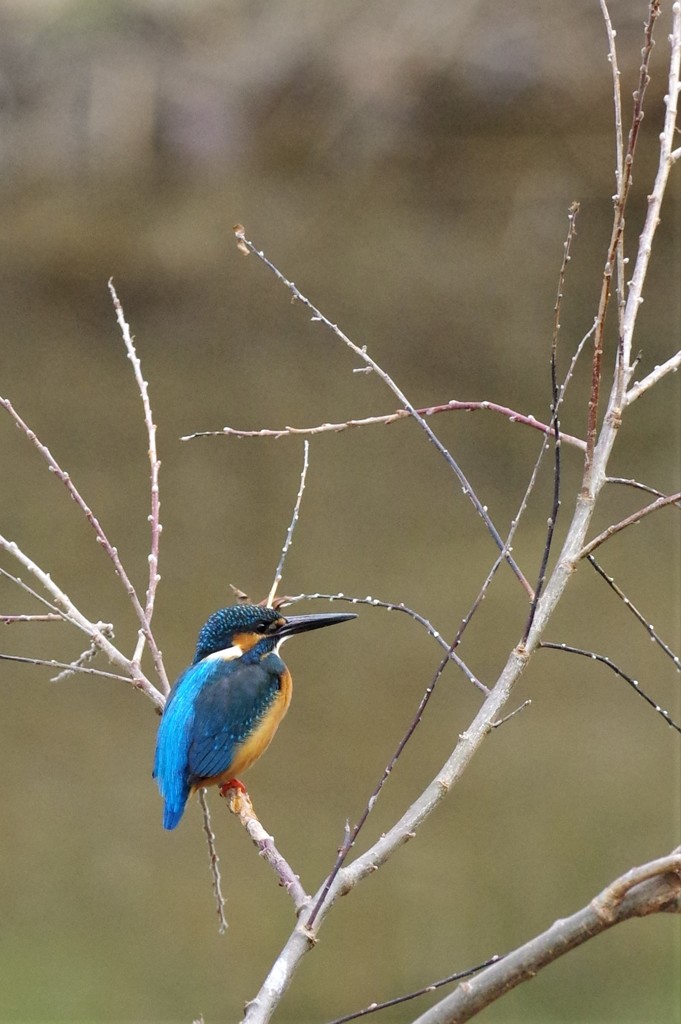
[[410, 166]]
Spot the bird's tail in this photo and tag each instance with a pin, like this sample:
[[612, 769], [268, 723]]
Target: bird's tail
[[172, 813]]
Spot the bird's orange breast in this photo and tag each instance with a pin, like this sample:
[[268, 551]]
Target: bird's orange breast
[[261, 737]]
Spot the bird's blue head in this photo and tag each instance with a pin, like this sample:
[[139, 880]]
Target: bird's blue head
[[231, 632]]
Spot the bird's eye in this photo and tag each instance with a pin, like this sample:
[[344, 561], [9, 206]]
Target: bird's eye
[[263, 626]]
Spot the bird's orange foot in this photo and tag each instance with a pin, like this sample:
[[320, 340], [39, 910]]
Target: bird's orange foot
[[232, 791], [232, 784]]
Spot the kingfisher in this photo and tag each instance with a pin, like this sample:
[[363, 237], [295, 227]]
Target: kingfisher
[[223, 711]]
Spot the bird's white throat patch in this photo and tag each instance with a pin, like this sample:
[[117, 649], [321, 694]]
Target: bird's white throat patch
[[229, 654]]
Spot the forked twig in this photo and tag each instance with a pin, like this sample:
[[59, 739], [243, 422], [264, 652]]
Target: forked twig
[[102, 538], [154, 517], [93, 630], [245, 244], [301, 940]]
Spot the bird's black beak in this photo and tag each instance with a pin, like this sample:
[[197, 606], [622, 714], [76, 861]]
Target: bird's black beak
[[301, 623]]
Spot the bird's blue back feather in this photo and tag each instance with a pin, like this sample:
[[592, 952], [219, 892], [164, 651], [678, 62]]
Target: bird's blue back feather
[[174, 737]]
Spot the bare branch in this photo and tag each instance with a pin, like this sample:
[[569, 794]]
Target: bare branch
[[91, 629], [639, 486], [634, 683], [362, 354], [154, 517], [240, 804], [102, 538], [635, 517], [214, 862], [292, 525], [351, 835], [374, 602], [400, 414], [619, 175], [651, 889], [670, 366], [620, 203], [635, 297], [68, 666], [555, 425], [648, 626], [48, 617], [433, 987]]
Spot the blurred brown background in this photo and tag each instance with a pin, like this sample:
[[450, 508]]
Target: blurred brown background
[[410, 166]]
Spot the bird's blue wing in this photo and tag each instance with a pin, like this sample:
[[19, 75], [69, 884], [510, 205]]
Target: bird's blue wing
[[172, 745], [226, 711]]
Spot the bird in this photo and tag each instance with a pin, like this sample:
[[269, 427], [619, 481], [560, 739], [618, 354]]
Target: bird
[[224, 709]]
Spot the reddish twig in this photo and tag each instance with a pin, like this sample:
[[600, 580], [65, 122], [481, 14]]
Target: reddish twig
[[620, 203], [394, 417], [47, 617]]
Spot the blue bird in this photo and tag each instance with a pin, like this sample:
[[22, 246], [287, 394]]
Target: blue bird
[[224, 709]]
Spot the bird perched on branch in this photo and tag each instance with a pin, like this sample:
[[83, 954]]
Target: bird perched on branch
[[223, 711]]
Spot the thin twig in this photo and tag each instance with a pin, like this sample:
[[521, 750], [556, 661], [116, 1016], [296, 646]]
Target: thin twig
[[400, 414], [47, 617], [631, 520], [555, 425], [102, 538], [214, 862], [645, 243], [634, 683], [671, 365], [154, 517], [648, 626], [362, 354], [614, 247], [96, 634], [619, 171], [351, 835], [639, 486], [301, 940], [511, 714], [433, 987], [374, 602], [291, 527], [68, 666]]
